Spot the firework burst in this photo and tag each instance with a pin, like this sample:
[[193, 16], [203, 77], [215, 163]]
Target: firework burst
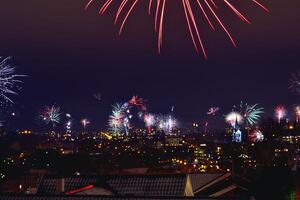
[[51, 115], [250, 113], [9, 81], [256, 136], [207, 8], [167, 123], [116, 119], [297, 113], [149, 120], [234, 118], [280, 113], [295, 82], [84, 122], [97, 96], [119, 120]]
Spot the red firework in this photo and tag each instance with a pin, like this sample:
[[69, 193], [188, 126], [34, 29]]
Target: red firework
[[206, 7], [139, 102]]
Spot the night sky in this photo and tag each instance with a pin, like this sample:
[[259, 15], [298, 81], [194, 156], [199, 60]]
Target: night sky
[[69, 54]]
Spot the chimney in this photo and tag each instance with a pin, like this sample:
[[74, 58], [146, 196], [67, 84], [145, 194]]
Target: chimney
[[60, 186]]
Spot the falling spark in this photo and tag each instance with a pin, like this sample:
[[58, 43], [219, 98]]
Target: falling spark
[[207, 8]]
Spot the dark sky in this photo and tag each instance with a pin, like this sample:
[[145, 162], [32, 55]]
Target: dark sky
[[70, 53]]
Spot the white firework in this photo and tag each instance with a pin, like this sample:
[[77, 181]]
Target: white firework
[[116, 119], [233, 118], [149, 120], [9, 81], [51, 115], [167, 123]]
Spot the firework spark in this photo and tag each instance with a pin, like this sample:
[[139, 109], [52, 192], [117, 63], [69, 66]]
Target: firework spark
[[9, 81], [191, 8], [51, 115], [280, 112]]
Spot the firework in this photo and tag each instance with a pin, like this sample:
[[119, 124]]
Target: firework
[[119, 121], [115, 122], [84, 122], [297, 113], [51, 115], [256, 136], [68, 124], [9, 81], [250, 113], [167, 123], [295, 82], [280, 112], [97, 96], [191, 8], [149, 120], [172, 108], [234, 118], [213, 111], [139, 102]]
